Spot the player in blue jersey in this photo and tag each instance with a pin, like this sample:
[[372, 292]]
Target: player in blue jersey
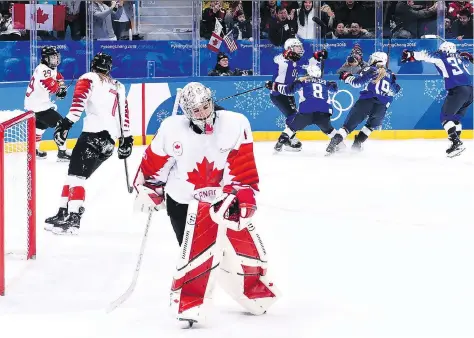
[[287, 66], [379, 88], [314, 107], [457, 82]]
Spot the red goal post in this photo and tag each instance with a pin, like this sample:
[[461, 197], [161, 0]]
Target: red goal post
[[17, 188]]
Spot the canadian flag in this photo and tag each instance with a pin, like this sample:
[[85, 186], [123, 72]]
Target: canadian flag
[[48, 17], [215, 42]]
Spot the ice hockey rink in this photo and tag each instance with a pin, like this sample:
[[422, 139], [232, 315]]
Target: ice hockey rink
[[376, 244]]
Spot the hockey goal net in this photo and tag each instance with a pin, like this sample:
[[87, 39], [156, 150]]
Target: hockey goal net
[[17, 190]]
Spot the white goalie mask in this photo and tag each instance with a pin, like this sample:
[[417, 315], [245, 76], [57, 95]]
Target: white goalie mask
[[294, 45], [314, 71], [448, 47], [378, 57], [196, 103]]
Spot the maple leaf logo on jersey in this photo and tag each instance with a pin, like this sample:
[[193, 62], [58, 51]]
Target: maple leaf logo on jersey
[[41, 17], [206, 175]]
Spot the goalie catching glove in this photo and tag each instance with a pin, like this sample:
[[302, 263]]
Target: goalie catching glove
[[234, 208]]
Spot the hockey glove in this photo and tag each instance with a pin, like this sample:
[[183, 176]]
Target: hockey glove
[[320, 55], [344, 75], [408, 56], [150, 197], [62, 91], [61, 131], [270, 85], [332, 85], [234, 208], [125, 147], [290, 55], [467, 56]]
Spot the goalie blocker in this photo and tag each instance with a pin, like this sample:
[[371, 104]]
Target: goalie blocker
[[203, 165]]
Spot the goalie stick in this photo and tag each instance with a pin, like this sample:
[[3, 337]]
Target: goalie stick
[[120, 300], [129, 187]]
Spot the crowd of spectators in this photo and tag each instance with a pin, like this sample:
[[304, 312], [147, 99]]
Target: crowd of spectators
[[112, 20], [279, 20]]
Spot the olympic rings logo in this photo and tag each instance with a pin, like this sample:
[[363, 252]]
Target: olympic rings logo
[[337, 105]]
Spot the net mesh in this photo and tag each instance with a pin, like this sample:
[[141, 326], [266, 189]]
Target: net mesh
[[16, 190]]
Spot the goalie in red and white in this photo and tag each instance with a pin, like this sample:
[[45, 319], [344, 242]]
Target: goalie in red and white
[[202, 164]]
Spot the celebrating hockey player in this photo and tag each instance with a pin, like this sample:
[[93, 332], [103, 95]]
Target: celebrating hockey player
[[457, 82], [202, 164], [313, 104], [288, 64], [46, 80], [379, 88], [103, 98]]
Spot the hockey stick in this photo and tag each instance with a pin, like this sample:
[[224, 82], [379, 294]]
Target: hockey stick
[[238, 94], [324, 30], [176, 101], [119, 301], [129, 187]]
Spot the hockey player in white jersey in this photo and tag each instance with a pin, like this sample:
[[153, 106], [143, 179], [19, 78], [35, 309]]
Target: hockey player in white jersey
[[103, 98], [46, 81], [203, 165]]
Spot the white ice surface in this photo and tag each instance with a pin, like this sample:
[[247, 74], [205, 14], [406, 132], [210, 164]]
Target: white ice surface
[[378, 244]]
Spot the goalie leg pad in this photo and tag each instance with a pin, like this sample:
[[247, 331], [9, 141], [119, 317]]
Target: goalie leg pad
[[244, 271], [200, 254]]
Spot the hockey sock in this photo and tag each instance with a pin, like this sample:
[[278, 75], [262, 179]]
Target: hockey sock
[[77, 193], [332, 133], [39, 135], [343, 132], [450, 128], [458, 128], [64, 196], [364, 134], [289, 132]]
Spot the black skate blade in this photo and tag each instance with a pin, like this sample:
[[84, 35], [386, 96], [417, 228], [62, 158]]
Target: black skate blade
[[456, 153], [189, 321]]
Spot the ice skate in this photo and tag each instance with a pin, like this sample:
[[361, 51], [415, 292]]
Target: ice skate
[[333, 145], [57, 219], [293, 144], [456, 148], [64, 156], [41, 155], [70, 226]]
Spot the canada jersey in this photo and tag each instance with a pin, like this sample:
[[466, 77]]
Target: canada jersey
[[452, 67], [197, 166], [97, 95], [44, 82], [286, 72], [313, 94], [383, 90]]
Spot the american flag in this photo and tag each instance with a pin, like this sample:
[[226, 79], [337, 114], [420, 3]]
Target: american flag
[[230, 43]]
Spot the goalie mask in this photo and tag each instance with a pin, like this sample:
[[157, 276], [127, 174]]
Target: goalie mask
[[196, 103], [50, 57]]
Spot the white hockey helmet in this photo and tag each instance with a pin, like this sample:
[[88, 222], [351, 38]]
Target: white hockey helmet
[[448, 47], [313, 70], [198, 106], [378, 57], [294, 45]]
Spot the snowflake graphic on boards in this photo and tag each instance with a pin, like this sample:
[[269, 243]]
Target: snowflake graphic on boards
[[398, 95], [252, 103], [281, 121], [387, 122], [435, 90], [161, 115]]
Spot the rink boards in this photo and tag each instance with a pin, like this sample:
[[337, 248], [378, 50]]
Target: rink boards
[[413, 114]]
